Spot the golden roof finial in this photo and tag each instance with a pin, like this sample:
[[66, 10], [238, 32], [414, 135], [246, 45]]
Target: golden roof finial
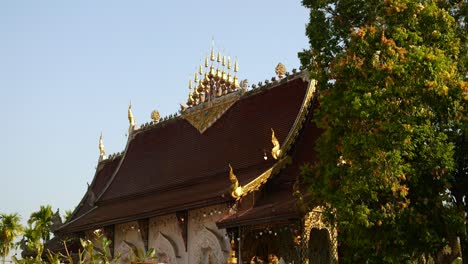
[[155, 116], [206, 62], [218, 58], [102, 151], [229, 62], [190, 85], [224, 60], [131, 120], [236, 66], [275, 151], [236, 190], [195, 77], [280, 70], [212, 54], [200, 70]]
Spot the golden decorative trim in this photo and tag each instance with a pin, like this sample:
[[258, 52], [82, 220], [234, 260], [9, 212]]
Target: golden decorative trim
[[314, 220], [290, 138], [276, 150], [205, 115], [238, 191], [155, 116]]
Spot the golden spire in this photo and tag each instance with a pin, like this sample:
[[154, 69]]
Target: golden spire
[[218, 58], [195, 77], [206, 62], [102, 151], [190, 85], [236, 190], [229, 62], [236, 66], [275, 151], [200, 70], [131, 120], [212, 54], [224, 60]]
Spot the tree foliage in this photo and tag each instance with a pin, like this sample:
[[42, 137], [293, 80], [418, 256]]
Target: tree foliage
[[393, 96], [10, 228], [42, 221]]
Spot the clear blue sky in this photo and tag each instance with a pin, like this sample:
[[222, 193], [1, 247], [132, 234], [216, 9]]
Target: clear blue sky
[[68, 70]]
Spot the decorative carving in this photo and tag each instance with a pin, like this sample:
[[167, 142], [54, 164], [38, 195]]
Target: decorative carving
[[314, 220], [102, 151], [212, 83], [276, 150], [280, 70], [207, 246], [236, 190], [256, 183], [205, 115], [155, 116], [165, 249], [131, 120]]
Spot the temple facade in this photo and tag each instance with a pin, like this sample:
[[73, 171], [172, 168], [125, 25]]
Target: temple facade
[[217, 183]]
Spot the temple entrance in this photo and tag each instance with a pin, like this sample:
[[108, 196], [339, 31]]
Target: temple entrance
[[319, 246]]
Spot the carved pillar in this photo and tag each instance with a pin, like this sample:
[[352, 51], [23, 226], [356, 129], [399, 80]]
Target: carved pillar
[[143, 225]]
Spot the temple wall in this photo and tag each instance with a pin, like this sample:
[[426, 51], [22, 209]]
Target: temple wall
[[205, 242]]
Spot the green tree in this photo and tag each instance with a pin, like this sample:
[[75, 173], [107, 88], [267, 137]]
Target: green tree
[[10, 228], [42, 221], [392, 106]]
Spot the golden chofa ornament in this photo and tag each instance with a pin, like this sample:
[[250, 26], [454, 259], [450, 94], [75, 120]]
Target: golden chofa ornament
[[102, 151]]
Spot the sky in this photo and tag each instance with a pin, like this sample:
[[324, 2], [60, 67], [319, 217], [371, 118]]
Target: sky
[[68, 70]]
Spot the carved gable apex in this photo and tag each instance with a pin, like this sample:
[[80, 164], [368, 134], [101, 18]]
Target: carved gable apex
[[205, 115]]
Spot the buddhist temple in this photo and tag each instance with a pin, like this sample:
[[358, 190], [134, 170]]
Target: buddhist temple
[[219, 182]]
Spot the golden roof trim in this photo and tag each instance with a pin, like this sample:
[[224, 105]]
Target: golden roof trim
[[238, 191], [296, 127], [290, 138]]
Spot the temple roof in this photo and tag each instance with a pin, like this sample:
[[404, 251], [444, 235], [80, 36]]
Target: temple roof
[[174, 165]]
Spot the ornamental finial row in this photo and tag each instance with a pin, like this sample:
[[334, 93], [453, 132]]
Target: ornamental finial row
[[213, 79]]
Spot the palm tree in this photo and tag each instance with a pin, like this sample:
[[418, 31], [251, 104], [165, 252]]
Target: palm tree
[[42, 221], [10, 228]]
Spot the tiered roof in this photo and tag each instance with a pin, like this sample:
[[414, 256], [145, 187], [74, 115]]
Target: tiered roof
[[183, 162]]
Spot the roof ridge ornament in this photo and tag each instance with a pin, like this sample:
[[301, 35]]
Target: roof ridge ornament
[[131, 119], [280, 70], [102, 151], [214, 81]]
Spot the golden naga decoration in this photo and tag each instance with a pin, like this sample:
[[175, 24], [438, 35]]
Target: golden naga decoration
[[102, 151], [276, 150], [236, 190], [280, 70], [232, 255], [155, 116], [215, 80]]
